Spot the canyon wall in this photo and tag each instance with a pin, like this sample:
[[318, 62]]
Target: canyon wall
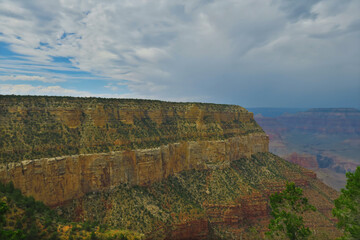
[[42, 127], [199, 203], [331, 121], [57, 180], [90, 144], [324, 140], [166, 170]]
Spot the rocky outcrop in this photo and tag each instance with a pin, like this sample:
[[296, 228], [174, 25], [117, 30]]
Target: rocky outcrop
[[231, 199], [96, 144], [57, 180], [38, 127], [167, 170]]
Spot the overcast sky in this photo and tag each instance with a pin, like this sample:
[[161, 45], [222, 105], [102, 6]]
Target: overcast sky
[[254, 53]]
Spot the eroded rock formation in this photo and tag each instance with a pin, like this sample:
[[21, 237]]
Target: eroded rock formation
[[57, 180], [167, 170], [223, 133], [38, 127]]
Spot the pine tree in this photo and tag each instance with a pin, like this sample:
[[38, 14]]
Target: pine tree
[[347, 206], [287, 208]]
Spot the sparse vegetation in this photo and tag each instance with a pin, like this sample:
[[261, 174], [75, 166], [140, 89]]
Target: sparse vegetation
[[23, 218], [35, 127], [186, 196]]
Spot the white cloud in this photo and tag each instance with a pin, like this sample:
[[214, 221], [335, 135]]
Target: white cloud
[[112, 87], [26, 89], [30, 78]]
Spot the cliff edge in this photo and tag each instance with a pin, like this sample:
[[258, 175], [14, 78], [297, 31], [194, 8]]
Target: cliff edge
[[37, 127], [114, 141], [164, 170]]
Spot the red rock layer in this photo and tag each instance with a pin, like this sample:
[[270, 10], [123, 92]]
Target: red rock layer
[[250, 208], [192, 230]]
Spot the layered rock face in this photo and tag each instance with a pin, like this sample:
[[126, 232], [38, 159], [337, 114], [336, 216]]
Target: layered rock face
[[38, 127], [57, 180], [223, 133], [249, 209], [208, 203], [165, 170]]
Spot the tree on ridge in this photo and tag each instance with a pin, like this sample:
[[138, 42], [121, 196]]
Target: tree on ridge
[[347, 206], [286, 209]]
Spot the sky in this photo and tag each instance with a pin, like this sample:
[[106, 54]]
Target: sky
[[254, 53]]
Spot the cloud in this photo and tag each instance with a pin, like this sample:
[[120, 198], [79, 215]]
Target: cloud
[[27, 89], [112, 87], [29, 78], [298, 9], [39, 90], [249, 52]]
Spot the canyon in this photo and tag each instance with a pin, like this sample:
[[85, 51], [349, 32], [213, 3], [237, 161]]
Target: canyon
[[38, 127], [58, 180], [165, 170], [221, 202], [112, 139], [324, 140]]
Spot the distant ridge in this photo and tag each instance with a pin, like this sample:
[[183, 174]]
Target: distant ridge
[[339, 110], [275, 112]]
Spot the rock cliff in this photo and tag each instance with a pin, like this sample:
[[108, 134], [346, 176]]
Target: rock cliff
[[218, 203], [57, 180], [38, 127], [164, 170], [151, 139]]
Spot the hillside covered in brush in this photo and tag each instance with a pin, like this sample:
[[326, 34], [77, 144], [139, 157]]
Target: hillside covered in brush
[[220, 203], [35, 127], [24, 218], [146, 169]]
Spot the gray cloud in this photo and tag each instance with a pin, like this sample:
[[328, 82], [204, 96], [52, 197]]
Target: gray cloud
[[298, 9], [250, 52]]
